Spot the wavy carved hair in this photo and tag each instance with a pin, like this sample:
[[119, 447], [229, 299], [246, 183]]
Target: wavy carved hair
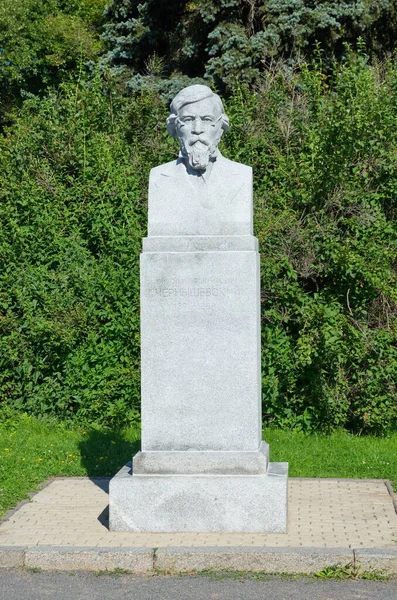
[[189, 95]]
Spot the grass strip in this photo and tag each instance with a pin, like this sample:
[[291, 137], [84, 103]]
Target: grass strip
[[339, 454], [32, 450]]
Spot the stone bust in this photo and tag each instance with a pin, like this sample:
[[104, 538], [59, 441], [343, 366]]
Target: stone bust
[[201, 192]]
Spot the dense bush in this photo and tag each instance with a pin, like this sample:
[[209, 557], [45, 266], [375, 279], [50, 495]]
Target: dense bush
[[73, 188], [71, 227], [42, 43], [324, 156]]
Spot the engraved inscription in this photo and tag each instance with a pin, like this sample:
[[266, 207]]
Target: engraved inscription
[[196, 287], [188, 292]]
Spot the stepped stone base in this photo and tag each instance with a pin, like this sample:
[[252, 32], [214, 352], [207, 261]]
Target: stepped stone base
[[202, 463], [202, 503]]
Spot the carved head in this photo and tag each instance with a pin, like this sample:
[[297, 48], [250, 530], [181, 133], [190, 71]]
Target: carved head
[[197, 121]]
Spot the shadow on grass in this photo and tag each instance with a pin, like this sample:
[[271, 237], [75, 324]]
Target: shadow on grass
[[104, 452]]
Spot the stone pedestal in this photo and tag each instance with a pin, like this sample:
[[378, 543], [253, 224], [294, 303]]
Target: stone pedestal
[[203, 465], [224, 503]]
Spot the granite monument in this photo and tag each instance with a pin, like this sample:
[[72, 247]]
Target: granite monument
[[203, 465]]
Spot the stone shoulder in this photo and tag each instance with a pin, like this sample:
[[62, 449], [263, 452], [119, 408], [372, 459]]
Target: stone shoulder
[[170, 167], [165, 168], [244, 169]]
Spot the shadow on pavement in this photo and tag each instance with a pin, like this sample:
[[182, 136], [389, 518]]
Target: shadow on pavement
[[103, 453]]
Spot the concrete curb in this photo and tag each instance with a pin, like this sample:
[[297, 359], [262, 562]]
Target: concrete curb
[[265, 560], [134, 560], [12, 556], [179, 560], [377, 559]]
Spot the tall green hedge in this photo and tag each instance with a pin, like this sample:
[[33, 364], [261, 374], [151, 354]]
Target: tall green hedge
[[73, 195], [43, 43]]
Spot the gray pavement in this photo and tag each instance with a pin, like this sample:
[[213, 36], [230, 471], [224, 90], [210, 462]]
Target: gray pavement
[[18, 584], [330, 522], [322, 513]]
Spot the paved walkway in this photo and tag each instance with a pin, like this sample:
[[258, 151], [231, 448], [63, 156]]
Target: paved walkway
[[323, 513]]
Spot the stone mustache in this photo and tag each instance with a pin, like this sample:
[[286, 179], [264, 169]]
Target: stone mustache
[[203, 465]]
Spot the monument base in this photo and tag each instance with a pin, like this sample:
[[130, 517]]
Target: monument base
[[202, 503], [203, 463]]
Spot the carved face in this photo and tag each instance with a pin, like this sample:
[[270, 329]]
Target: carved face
[[199, 129]]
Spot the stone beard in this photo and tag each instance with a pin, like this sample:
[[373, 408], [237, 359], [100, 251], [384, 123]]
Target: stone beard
[[198, 153]]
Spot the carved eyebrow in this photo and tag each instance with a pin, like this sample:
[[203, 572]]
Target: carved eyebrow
[[201, 117]]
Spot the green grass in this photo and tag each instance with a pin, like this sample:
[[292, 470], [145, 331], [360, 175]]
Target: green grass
[[339, 454], [32, 450]]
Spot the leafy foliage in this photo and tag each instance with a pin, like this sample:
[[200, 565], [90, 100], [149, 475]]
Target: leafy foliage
[[42, 42], [73, 187], [70, 243], [229, 41], [323, 152]]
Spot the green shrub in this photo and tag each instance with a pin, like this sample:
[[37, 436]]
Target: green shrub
[[325, 215], [43, 43], [72, 223], [73, 187]]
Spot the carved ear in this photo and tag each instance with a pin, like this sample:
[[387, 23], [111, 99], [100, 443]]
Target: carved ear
[[171, 126], [220, 134], [225, 123]]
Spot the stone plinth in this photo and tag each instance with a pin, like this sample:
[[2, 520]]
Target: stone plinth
[[203, 465], [193, 462], [200, 344], [173, 503]]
